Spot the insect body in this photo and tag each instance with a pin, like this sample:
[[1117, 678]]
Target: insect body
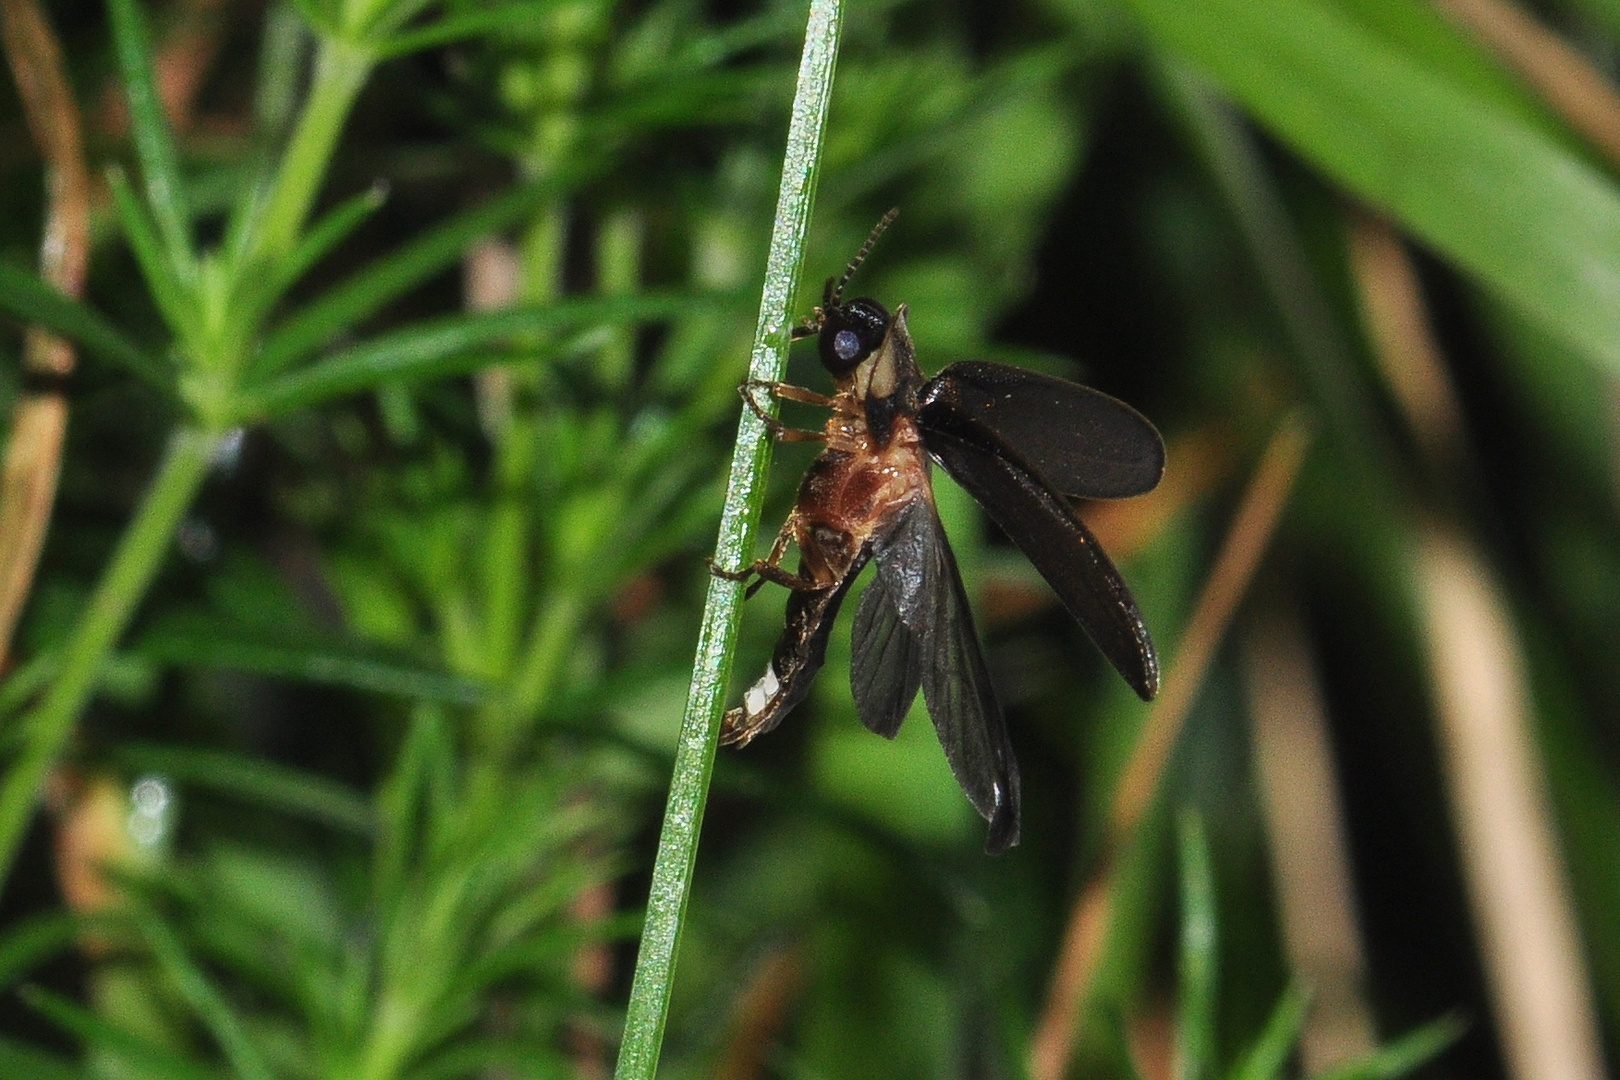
[[1022, 444]]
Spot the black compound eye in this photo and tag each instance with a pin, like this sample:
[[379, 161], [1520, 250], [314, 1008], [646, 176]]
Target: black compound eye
[[850, 333]]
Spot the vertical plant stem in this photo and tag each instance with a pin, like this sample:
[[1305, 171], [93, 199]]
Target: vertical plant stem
[[123, 584], [694, 754], [341, 69]]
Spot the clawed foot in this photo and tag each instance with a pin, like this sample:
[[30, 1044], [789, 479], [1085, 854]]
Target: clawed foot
[[728, 575], [762, 571]]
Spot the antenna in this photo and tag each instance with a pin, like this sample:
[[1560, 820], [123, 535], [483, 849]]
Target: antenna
[[837, 293], [833, 292]]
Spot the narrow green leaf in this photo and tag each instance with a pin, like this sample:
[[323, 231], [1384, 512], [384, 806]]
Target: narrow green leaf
[[19, 1059], [32, 941], [1430, 40], [326, 234], [1404, 1054], [1118, 1033], [700, 727], [1195, 1029], [116, 1042], [31, 300], [206, 1002], [174, 298], [209, 642], [409, 797], [344, 307], [773, 25], [453, 345], [1531, 220], [464, 26], [160, 169], [550, 950], [261, 287], [688, 100], [476, 1057], [1271, 1051], [23, 682], [320, 18], [287, 791]]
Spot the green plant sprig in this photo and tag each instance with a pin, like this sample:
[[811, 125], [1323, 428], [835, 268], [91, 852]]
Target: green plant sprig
[[215, 304], [700, 727]]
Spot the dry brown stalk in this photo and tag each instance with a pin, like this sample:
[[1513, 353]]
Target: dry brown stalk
[[33, 454], [1246, 540]]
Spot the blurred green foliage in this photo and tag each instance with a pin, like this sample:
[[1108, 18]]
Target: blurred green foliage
[[428, 321]]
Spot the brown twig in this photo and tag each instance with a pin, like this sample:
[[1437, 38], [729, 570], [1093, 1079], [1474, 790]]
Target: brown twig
[[1299, 796], [1404, 345], [1246, 541], [1520, 899], [1523, 911], [762, 1012], [1083, 938], [33, 454]]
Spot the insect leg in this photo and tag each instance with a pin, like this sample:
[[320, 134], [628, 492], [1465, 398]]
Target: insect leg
[[789, 392], [799, 654], [770, 567], [779, 431]]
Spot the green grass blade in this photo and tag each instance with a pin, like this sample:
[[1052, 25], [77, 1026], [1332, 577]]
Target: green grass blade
[[1269, 1055], [345, 306], [1404, 1054], [326, 234], [18, 1059], [32, 941], [1427, 37], [207, 1003], [160, 167], [319, 16], [461, 27], [174, 297], [31, 300], [502, 1057], [1195, 1032], [207, 641], [700, 727], [276, 787], [146, 1057], [1528, 217], [452, 346]]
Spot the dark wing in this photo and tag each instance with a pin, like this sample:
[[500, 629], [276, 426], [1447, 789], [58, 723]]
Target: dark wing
[[1045, 528], [1086, 444], [915, 614], [886, 663]]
